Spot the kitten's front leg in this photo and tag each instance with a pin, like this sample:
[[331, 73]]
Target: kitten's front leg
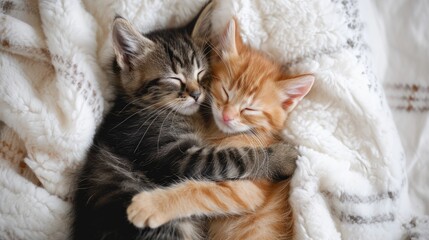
[[157, 207]]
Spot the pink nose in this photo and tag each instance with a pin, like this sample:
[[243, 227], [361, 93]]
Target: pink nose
[[226, 117]]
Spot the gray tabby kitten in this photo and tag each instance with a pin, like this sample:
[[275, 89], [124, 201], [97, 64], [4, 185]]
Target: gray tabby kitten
[[149, 138]]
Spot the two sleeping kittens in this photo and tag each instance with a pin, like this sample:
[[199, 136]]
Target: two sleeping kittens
[[250, 99], [154, 138]]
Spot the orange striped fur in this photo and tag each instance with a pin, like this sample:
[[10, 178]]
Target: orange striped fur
[[254, 91], [254, 81]]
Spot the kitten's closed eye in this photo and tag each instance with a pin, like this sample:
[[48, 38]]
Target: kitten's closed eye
[[225, 94], [199, 74], [250, 110], [175, 80]]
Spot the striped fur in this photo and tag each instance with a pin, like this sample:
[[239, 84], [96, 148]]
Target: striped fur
[[243, 79], [259, 95], [151, 138]]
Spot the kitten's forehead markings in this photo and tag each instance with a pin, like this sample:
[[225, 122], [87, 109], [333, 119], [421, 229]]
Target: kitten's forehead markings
[[198, 62], [196, 69], [176, 62], [191, 55], [231, 93]]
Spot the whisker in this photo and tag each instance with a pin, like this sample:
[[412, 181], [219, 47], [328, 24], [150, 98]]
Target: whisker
[[218, 53], [156, 112], [132, 102], [165, 108], [162, 124], [141, 110]]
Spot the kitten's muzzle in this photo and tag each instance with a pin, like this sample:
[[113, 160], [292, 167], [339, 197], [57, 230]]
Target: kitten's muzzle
[[195, 94]]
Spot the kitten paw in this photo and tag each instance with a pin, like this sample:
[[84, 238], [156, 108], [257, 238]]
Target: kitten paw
[[146, 210]]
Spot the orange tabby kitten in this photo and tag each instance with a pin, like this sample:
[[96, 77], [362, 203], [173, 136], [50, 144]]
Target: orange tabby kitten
[[251, 97]]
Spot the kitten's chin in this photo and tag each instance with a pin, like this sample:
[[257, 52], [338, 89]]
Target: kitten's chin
[[189, 109]]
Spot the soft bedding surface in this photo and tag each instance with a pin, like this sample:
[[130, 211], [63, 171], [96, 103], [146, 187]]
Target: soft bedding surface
[[405, 25], [406, 82], [351, 181]]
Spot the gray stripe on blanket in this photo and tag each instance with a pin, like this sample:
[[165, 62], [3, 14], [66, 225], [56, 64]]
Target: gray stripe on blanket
[[353, 198], [356, 199], [417, 228], [356, 219], [359, 219], [27, 7]]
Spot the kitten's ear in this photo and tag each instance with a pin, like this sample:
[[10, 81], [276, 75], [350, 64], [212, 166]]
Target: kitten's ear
[[128, 43], [294, 89], [200, 27], [231, 41]]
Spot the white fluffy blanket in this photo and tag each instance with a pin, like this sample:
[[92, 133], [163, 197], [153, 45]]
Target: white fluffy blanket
[[407, 87], [54, 89]]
